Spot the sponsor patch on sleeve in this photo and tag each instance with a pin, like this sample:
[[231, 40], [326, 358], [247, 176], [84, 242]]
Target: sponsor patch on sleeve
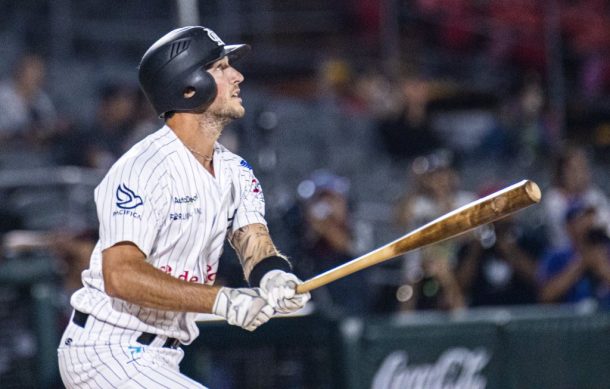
[[127, 198], [127, 201], [245, 164]]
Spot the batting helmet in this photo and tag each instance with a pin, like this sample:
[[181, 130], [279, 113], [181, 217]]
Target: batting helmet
[[176, 64]]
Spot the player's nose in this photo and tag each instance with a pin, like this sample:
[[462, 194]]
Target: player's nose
[[236, 76]]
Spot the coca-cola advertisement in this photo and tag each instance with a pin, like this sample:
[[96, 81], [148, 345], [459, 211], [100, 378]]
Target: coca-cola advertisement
[[455, 368]]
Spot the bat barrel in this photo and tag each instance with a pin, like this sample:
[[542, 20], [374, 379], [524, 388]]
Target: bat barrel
[[485, 210]]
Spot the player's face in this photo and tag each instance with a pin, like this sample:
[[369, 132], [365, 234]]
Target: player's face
[[228, 103]]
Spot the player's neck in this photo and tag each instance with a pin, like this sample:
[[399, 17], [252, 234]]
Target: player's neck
[[200, 131], [197, 135]]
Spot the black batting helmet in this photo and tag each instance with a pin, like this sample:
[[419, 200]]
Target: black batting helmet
[[176, 64]]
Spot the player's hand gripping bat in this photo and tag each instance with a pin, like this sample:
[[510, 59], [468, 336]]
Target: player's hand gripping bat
[[486, 210]]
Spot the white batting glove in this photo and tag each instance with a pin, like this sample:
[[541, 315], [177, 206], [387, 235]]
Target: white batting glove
[[280, 289], [243, 307]]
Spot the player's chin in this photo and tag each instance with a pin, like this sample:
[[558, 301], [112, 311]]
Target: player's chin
[[238, 112]]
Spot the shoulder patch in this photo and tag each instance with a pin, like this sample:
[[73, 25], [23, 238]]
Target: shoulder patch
[[127, 198], [245, 164]]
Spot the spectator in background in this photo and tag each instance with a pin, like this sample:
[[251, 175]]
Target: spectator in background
[[516, 30], [435, 192], [533, 124], [27, 113], [572, 182], [428, 273], [406, 132], [588, 43], [581, 269], [100, 144], [455, 22], [67, 254], [337, 87], [526, 129], [499, 267], [434, 286], [375, 90], [145, 120], [73, 251], [327, 239]]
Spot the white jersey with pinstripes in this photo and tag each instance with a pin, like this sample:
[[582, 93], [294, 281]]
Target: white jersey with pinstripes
[[159, 197]]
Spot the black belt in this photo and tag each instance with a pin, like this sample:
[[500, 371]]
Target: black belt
[[80, 319]]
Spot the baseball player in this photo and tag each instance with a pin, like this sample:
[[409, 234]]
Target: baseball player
[[165, 208]]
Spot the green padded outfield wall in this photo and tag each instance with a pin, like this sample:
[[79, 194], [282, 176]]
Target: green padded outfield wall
[[552, 349], [534, 347]]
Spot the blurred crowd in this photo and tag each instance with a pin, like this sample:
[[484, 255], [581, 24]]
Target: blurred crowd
[[562, 257], [32, 123], [513, 261], [434, 130]]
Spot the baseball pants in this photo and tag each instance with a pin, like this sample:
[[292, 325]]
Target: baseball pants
[[94, 354]]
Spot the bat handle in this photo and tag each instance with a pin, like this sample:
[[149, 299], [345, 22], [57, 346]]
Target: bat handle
[[303, 288]]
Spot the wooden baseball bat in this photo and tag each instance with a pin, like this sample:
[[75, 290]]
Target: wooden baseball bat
[[485, 210]]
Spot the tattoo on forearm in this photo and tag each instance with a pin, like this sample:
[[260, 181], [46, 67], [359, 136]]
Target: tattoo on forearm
[[253, 243]]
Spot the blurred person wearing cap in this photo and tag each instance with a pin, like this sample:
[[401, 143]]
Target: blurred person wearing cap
[[581, 269], [430, 271], [436, 190]]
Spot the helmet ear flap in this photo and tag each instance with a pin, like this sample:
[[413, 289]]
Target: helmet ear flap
[[197, 91]]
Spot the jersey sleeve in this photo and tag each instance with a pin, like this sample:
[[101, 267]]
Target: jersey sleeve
[[130, 203], [251, 201]]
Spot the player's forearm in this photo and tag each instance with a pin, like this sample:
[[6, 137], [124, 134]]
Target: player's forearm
[[129, 277], [149, 287]]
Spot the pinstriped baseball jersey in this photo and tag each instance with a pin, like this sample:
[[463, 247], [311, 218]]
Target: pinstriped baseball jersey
[[159, 197]]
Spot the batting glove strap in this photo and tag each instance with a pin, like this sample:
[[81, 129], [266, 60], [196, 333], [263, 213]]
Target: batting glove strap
[[266, 265], [280, 290], [243, 307]]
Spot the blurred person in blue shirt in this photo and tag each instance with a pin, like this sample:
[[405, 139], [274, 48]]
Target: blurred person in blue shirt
[[581, 269], [573, 181]]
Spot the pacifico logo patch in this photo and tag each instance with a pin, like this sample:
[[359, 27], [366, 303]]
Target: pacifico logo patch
[[126, 198]]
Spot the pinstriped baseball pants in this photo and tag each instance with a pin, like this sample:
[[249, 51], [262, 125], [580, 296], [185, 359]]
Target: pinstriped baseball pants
[[101, 355]]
